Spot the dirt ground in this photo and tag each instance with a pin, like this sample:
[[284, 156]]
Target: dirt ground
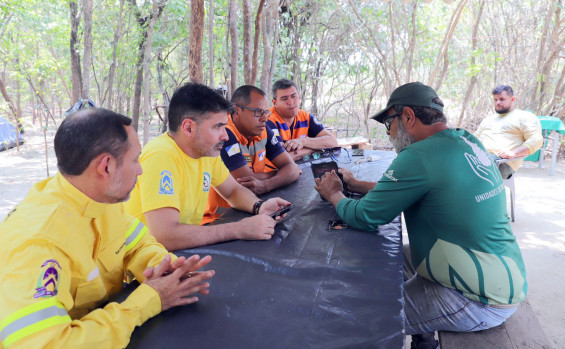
[[539, 226]]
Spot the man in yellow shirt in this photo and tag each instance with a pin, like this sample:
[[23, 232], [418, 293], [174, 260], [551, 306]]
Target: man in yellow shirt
[[182, 165], [66, 248], [510, 133]]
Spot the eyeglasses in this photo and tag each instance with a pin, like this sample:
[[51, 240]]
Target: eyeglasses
[[388, 121], [257, 112]]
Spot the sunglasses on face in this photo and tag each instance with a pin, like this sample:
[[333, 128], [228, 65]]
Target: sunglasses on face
[[257, 112], [388, 121]]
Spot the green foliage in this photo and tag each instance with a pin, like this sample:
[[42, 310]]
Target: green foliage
[[322, 45]]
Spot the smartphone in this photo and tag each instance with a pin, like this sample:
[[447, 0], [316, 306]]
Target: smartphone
[[358, 152], [281, 211], [319, 169]]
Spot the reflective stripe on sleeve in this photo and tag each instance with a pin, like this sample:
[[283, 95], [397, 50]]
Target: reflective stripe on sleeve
[[33, 318], [134, 234]]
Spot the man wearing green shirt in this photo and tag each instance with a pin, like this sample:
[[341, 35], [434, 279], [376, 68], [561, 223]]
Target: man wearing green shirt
[[465, 271]]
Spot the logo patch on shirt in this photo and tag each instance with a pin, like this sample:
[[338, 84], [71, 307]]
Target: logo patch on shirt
[[262, 155], [481, 164], [274, 140], [166, 183], [206, 182], [390, 176], [302, 136], [233, 149], [276, 132], [48, 281], [247, 157]]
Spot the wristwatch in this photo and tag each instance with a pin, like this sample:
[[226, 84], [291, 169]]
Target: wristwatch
[[257, 207]]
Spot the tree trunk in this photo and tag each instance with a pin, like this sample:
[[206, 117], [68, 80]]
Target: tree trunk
[[5, 24], [87, 58], [558, 92], [142, 21], [315, 87], [412, 43], [275, 23], [59, 73], [195, 38], [367, 113], [296, 66], [234, 44], [473, 81], [112, 73], [44, 141], [267, 23], [146, 68], [247, 55], [166, 100], [138, 84], [393, 44], [557, 43], [254, 60], [76, 78], [378, 57], [210, 42], [543, 40], [47, 109], [442, 53]]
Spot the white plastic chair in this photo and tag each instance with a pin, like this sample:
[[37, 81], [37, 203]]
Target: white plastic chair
[[509, 183]]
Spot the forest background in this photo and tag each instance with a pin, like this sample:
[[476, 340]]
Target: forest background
[[346, 56]]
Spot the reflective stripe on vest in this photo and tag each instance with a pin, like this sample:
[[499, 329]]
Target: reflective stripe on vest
[[301, 125], [33, 318], [134, 234], [255, 148]]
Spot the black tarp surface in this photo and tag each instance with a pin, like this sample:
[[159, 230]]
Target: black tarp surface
[[307, 287]]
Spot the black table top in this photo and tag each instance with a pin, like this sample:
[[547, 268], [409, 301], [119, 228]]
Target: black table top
[[307, 287]]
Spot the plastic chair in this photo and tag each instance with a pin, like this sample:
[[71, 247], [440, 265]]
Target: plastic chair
[[509, 183]]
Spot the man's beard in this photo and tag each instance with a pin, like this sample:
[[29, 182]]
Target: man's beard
[[502, 111], [204, 149], [115, 191], [402, 139]]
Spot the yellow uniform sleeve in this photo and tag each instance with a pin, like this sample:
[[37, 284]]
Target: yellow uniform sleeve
[[160, 184], [220, 171], [40, 294], [142, 250]]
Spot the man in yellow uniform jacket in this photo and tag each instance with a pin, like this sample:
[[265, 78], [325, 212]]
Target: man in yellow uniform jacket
[[69, 244]]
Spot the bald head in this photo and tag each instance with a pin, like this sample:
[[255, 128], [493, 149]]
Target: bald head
[[87, 133]]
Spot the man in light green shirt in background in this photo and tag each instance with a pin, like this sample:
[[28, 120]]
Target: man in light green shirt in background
[[510, 133]]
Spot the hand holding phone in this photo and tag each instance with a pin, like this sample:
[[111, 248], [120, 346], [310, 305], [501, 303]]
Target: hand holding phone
[[319, 169], [281, 211]]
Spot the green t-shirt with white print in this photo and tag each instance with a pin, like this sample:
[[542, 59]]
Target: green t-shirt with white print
[[454, 204]]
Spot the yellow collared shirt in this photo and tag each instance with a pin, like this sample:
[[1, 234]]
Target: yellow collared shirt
[[63, 255]]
